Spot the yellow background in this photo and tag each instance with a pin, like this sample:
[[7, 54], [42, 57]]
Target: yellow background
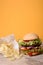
[[21, 17]]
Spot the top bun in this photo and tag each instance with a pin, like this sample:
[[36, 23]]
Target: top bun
[[30, 36]]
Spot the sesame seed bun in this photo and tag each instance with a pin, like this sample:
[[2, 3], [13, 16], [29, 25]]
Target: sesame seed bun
[[30, 36]]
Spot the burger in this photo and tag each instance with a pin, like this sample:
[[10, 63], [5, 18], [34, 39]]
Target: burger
[[30, 44]]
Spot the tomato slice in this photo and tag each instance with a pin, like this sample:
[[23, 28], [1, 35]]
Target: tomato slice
[[28, 48], [23, 48], [30, 53], [34, 53], [26, 40]]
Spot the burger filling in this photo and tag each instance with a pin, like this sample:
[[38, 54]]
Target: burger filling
[[31, 47], [36, 42]]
